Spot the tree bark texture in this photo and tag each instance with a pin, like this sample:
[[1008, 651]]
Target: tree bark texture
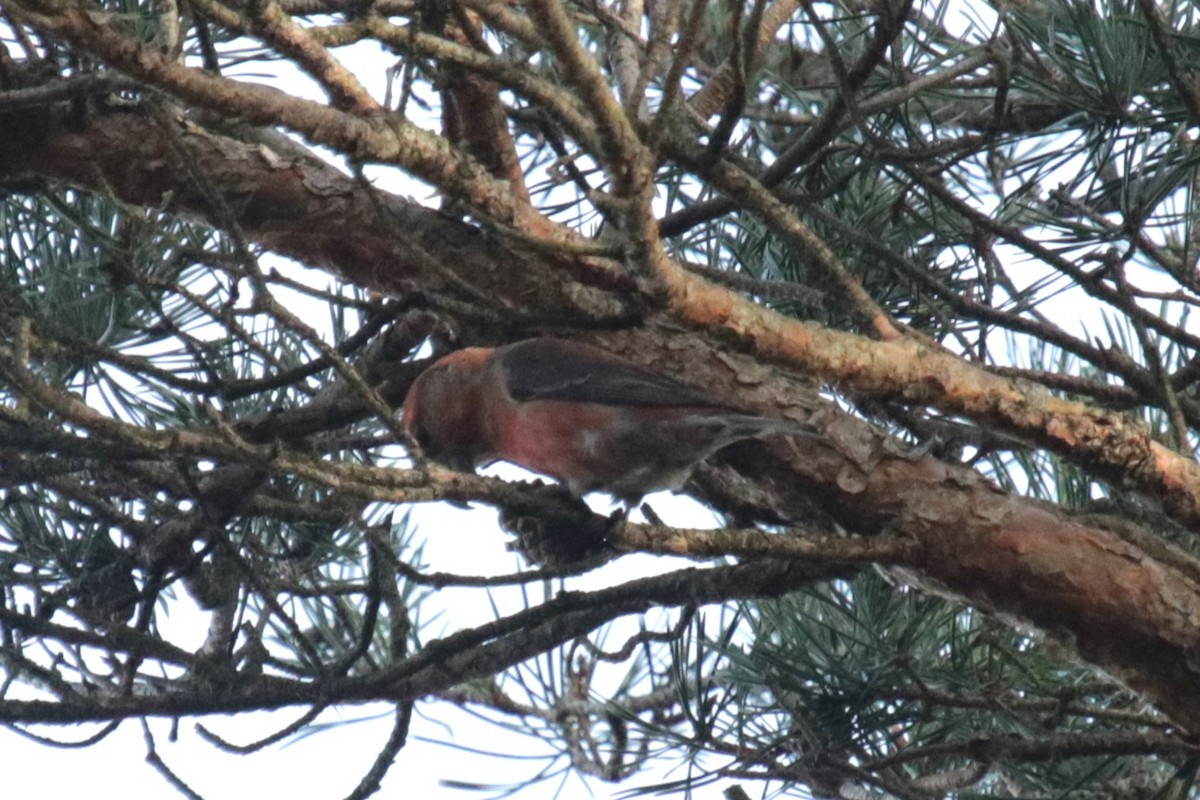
[[1122, 608]]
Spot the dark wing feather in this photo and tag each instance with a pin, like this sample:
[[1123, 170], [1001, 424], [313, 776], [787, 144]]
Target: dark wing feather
[[553, 369]]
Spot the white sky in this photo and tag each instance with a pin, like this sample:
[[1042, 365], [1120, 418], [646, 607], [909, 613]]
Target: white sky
[[329, 763]]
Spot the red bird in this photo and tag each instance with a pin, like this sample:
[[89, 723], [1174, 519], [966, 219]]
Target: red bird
[[586, 417]]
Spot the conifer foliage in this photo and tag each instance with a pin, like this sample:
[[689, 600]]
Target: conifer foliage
[[960, 239]]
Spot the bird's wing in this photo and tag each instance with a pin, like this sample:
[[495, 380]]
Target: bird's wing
[[553, 369]]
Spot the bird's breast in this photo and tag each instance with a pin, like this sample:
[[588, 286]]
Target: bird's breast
[[568, 441]]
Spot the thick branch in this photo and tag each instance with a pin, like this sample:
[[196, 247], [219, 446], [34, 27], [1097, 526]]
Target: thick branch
[[298, 208], [971, 537]]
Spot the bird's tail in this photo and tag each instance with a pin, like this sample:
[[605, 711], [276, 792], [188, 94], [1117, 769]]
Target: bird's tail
[[755, 427]]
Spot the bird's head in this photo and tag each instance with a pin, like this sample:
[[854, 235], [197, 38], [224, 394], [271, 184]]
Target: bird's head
[[443, 410]]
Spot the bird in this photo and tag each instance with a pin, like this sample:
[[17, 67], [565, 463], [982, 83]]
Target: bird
[[592, 420]]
